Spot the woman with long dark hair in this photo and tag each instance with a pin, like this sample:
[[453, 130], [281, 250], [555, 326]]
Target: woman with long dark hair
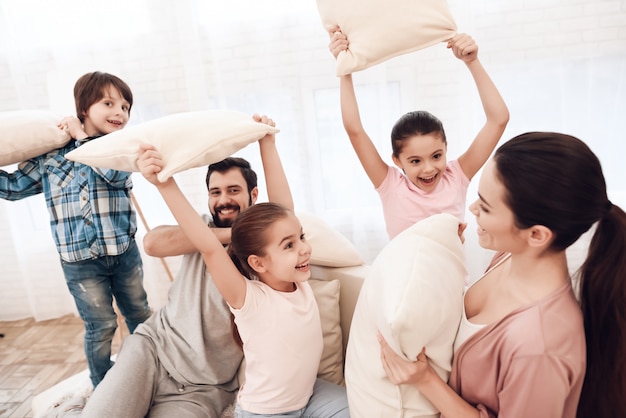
[[524, 347]]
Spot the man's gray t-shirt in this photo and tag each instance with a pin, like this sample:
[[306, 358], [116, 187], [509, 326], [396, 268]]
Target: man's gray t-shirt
[[192, 332]]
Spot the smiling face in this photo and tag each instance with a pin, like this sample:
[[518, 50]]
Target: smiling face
[[108, 114], [423, 160], [495, 220], [228, 195], [286, 255]]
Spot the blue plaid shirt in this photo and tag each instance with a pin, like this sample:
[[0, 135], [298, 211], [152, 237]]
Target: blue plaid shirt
[[90, 209]]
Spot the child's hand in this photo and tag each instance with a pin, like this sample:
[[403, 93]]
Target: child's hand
[[264, 119], [462, 227], [150, 163], [338, 41], [72, 125], [463, 47]]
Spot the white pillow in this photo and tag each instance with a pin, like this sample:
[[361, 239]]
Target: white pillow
[[378, 30], [329, 247], [27, 134], [186, 140], [413, 294]]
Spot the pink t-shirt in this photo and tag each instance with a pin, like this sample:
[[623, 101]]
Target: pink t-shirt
[[405, 204], [282, 343], [531, 363]]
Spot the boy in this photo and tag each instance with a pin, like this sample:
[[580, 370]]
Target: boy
[[92, 221]]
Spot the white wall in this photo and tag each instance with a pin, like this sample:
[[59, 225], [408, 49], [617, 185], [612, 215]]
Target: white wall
[[560, 65]]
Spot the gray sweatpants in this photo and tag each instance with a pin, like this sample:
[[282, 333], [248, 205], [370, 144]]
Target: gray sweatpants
[[138, 386]]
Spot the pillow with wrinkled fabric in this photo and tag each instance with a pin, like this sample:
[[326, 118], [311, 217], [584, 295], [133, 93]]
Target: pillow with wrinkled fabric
[[378, 30], [27, 134], [186, 140], [329, 247], [413, 295]]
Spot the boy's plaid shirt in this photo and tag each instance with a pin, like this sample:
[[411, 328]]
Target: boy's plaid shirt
[[90, 209]]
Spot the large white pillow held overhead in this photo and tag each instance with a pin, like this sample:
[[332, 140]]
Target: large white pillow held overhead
[[378, 30]]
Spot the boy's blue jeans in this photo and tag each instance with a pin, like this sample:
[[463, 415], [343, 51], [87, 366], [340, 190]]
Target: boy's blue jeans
[[94, 283]]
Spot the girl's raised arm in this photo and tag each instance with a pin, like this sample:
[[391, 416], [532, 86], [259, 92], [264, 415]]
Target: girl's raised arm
[[278, 190], [496, 111], [366, 151], [227, 278]]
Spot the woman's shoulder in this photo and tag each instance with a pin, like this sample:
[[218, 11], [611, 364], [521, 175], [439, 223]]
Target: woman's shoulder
[[548, 326], [498, 258]]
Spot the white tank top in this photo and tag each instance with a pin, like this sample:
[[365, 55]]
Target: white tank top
[[467, 328]]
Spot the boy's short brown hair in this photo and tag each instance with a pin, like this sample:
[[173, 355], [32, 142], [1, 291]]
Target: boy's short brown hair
[[90, 88]]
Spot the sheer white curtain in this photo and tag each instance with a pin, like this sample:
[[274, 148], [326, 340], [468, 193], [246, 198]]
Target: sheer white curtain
[[560, 65]]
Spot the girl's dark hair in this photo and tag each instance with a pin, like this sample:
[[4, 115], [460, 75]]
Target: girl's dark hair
[[555, 180], [248, 237], [419, 122], [248, 234], [91, 87]]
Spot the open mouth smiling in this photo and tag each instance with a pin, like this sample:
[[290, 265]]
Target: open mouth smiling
[[428, 180]]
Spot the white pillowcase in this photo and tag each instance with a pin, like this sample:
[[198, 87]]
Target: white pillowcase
[[29, 133], [186, 140], [413, 294], [378, 30], [329, 247]]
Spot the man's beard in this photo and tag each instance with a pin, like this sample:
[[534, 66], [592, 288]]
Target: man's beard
[[224, 223], [227, 223]]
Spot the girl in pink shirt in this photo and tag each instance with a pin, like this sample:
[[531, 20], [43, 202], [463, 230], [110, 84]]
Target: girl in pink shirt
[[264, 279], [426, 184], [528, 350]]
